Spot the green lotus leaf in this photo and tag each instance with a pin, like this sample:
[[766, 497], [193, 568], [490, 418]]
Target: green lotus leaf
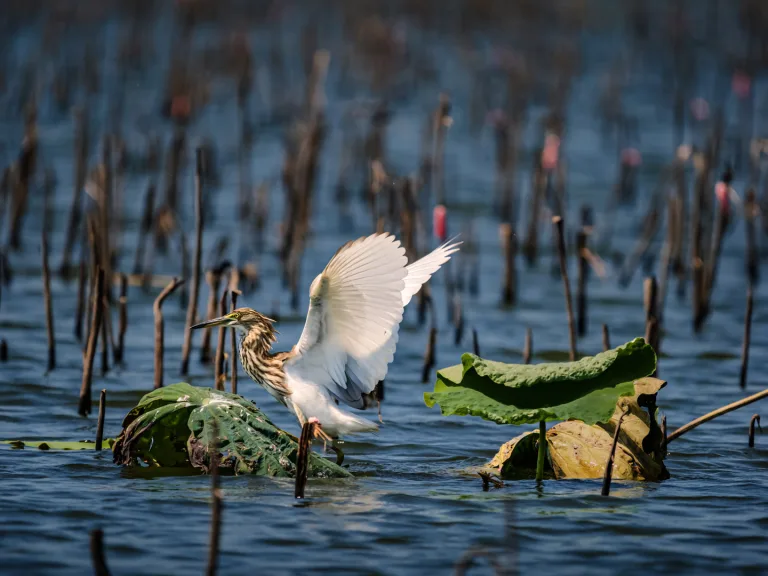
[[585, 390], [179, 425]]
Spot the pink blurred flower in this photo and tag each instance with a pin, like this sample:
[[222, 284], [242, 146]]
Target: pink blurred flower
[[721, 192], [550, 154], [631, 157], [181, 107], [741, 84], [438, 222]]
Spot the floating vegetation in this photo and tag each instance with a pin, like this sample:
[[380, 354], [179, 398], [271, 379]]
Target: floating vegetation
[[589, 394], [177, 425], [586, 390], [55, 444]]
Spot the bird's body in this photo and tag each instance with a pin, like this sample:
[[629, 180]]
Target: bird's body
[[349, 338]]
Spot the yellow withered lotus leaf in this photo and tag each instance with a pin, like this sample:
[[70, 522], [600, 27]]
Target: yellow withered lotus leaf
[[577, 450]]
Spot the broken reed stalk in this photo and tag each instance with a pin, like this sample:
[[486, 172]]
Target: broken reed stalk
[[302, 458], [3, 350], [218, 369], [509, 243], [528, 346], [25, 174], [424, 297], [747, 338], [233, 341], [106, 334], [192, 308], [557, 222], [122, 320], [710, 273], [159, 329], [102, 255], [48, 302], [751, 210], [715, 413], [542, 455], [75, 213], [97, 553], [697, 277], [84, 407], [183, 295], [5, 190], [530, 248], [581, 289], [441, 121], [667, 250], [104, 219], [49, 191], [215, 535], [606, 338], [213, 279], [651, 224], [606, 491], [144, 230], [752, 421], [650, 298], [100, 422], [429, 355], [81, 291], [458, 319], [677, 256], [475, 343], [697, 264]]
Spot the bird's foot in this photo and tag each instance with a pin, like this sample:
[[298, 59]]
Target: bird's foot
[[319, 432]]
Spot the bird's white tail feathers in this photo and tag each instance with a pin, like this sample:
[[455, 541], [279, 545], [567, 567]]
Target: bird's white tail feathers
[[422, 270], [353, 424]]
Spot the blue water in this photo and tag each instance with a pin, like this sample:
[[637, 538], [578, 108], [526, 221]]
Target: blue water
[[410, 509]]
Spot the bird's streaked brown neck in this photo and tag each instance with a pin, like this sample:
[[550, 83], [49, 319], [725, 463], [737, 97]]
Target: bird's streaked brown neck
[[260, 363], [259, 339]]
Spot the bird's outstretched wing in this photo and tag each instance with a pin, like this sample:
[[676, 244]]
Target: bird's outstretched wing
[[421, 270], [355, 308]]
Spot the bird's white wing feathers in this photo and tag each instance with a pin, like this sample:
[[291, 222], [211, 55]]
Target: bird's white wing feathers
[[355, 309], [421, 270]]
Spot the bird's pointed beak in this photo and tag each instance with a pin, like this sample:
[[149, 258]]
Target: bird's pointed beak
[[221, 321]]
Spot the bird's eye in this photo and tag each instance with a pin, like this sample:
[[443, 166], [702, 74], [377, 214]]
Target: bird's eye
[[235, 315]]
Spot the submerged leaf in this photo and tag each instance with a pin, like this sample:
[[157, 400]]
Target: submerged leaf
[[517, 458], [56, 444], [174, 426], [586, 390]]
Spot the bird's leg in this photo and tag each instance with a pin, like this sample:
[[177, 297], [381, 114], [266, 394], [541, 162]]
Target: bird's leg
[[319, 433], [339, 454]]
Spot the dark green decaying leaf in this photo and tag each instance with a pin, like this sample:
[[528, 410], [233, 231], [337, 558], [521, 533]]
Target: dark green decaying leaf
[[585, 390], [174, 427], [579, 451]]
